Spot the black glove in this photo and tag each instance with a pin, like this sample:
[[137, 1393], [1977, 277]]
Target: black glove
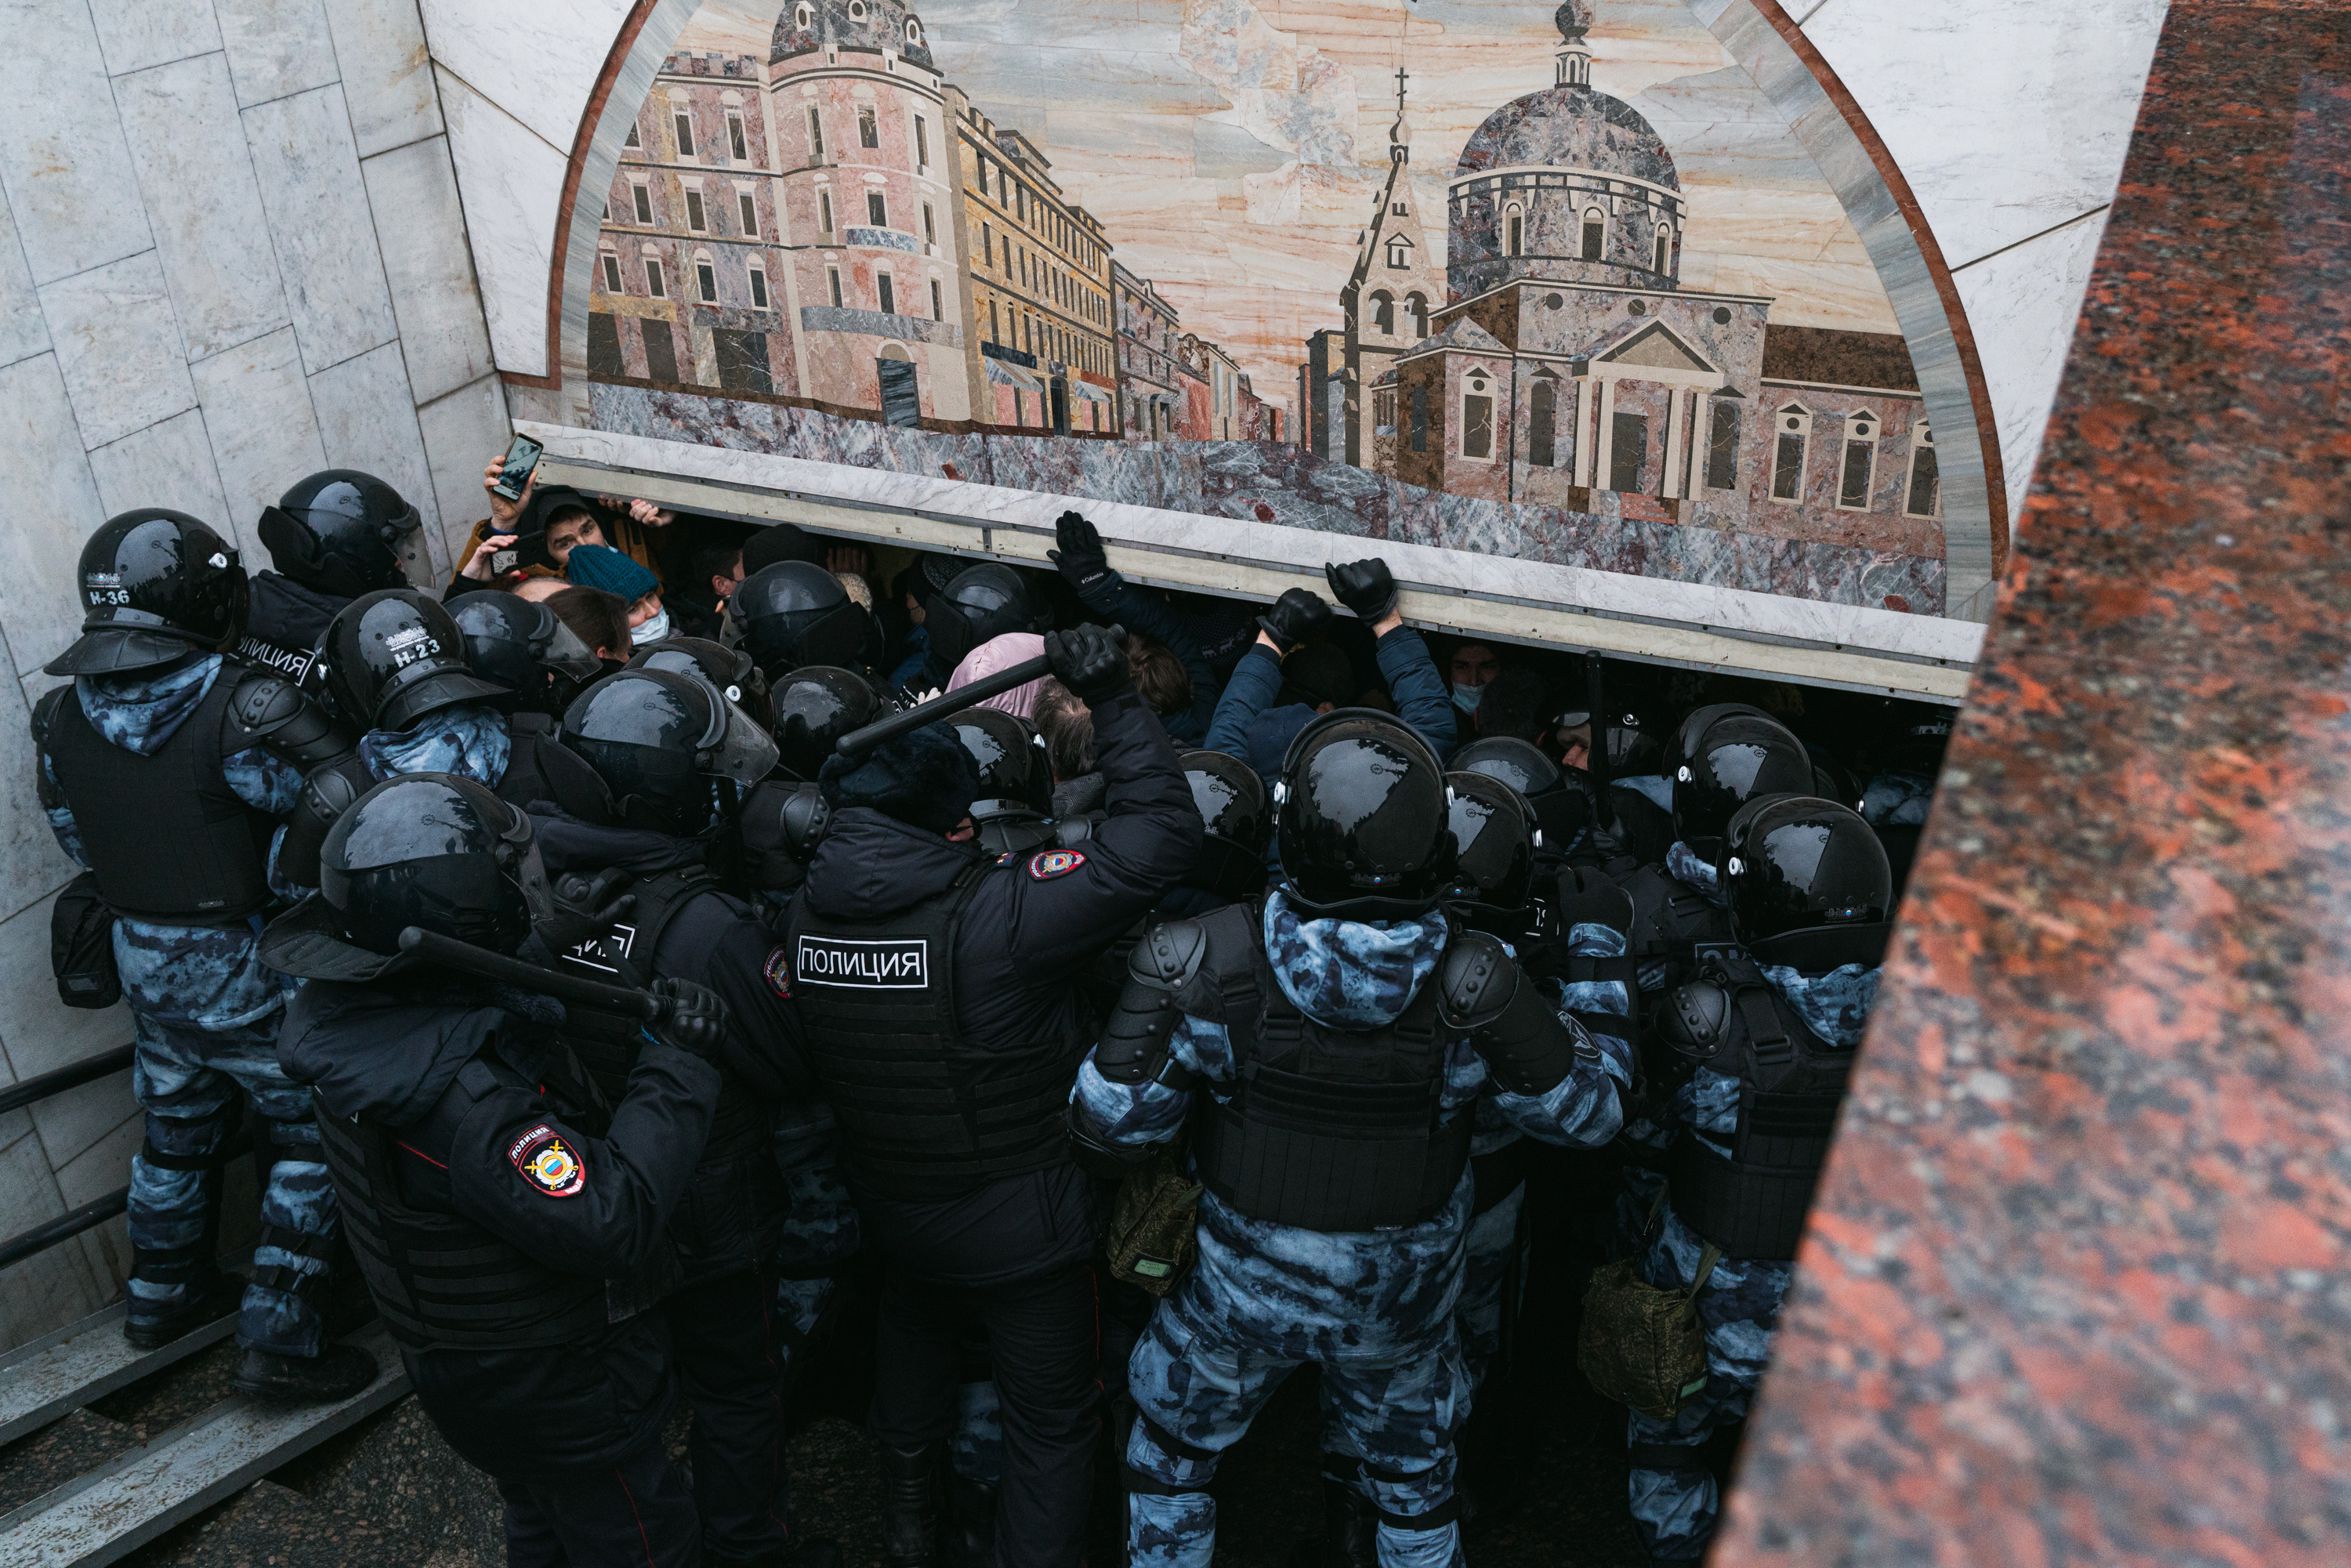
[[1081, 558], [1297, 617], [585, 910], [1090, 661], [695, 1021], [1586, 897], [1366, 587]]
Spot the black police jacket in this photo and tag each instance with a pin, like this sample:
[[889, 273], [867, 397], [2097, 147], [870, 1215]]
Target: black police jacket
[[529, 1186], [284, 625], [733, 1215]]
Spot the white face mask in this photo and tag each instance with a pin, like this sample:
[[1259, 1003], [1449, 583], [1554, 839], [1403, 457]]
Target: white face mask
[[651, 631], [1467, 698]]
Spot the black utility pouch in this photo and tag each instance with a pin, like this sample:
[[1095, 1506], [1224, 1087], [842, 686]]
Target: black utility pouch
[[81, 946]]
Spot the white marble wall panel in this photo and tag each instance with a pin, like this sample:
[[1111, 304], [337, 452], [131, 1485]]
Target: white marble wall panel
[[276, 48], [137, 34], [319, 225], [206, 209], [65, 170], [118, 344], [169, 463], [462, 432], [387, 75], [22, 330], [258, 410], [513, 182], [2023, 303], [363, 423], [414, 192], [54, 507], [86, 1118], [53, 1288], [537, 59]]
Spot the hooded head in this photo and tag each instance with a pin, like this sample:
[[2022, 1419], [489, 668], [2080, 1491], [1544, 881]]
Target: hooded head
[[924, 778]]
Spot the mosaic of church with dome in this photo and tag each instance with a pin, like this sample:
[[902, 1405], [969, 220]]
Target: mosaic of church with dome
[[833, 217]]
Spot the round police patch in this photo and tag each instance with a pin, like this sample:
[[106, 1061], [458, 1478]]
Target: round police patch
[[1052, 863], [778, 970], [548, 1162]]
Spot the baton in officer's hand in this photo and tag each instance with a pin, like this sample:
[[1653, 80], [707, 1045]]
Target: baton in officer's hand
[[573, 990], [858, 742]]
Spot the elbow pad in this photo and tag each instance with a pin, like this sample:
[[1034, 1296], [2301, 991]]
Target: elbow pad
[[1134, 1048], [1528, 1046], [327, 794], [273, 713]]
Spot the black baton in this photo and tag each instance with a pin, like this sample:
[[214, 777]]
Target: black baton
[[570, 990], [858, 742]]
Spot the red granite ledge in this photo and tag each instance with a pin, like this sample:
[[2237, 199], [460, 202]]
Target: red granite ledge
[[2078, 1286]]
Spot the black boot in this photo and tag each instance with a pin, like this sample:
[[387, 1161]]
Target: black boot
[[336, 1373], [1350, 1527], [207, 1301], [910, 1510], [971, 1535]]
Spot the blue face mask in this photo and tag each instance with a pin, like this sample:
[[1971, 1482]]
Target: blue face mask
[[1467, 698]]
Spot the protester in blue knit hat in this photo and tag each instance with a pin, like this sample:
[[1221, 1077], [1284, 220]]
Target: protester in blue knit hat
[[600, 566]]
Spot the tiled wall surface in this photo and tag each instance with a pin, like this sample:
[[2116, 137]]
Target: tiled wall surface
[[232, 252]]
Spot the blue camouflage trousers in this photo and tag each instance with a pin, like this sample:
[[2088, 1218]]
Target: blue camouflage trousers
[[1676, 1505], [192, 1083], [1196, 1396]]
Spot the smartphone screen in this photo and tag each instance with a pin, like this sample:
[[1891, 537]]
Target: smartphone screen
[[505, 561], [521, 458]]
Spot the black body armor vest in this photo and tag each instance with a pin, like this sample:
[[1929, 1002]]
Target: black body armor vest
[[1791, 1082], [1671, 920], [539, 766], [923, 1114], [168, 839], [1324, 1129], [442, 1280]]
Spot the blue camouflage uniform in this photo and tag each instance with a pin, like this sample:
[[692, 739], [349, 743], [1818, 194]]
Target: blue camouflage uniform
[[205, 1015], [1676, 1508], [468, 740], [1375, 1308], [820, 1232]]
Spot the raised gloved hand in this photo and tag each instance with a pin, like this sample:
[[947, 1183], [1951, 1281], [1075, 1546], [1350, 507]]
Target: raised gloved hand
[[1081, 558], [695, 1021], [1090, 660], [1586, 897], [1365, 587], [585, 909], [1298, 617]]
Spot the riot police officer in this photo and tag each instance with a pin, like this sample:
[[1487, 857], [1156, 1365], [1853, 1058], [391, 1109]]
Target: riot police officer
[[1757, 1050], [792, 614], [662, 740], [509, 1220], [524, 646], [1016, 783], [933, 988], [333, 536], [1559, 810], [165, 768], [979, 604], [1349, 1026]]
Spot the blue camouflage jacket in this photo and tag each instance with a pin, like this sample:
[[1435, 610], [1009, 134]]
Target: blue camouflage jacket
[[1307, 1294], [194, 976]]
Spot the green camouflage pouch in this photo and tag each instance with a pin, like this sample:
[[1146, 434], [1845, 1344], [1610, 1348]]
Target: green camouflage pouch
[[1151, 1226], [1642, 1346]]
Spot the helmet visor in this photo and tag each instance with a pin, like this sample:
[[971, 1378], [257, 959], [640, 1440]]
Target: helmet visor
[[567, 656], [735, 747], [408, 552]]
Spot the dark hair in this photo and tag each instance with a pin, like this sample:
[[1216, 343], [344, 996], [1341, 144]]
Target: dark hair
[[597, 618], [1066, 725], [1160, 678], [1317, 674], [710, 561], [1515, 704]]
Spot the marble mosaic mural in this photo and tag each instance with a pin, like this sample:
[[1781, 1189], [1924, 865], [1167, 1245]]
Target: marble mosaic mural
[[1558, 283]]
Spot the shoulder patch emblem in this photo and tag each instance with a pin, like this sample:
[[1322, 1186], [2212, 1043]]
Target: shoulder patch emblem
[[548, 1163], [778, 970], [1050, 864]]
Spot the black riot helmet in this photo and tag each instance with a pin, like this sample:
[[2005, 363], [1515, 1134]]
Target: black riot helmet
[[154, 584], [1360, 815], [343, 533], [395, 656], [1797, 865], [739, 679], [1724, 756], [1558, 806], [660, 740], [1003, 746], [434, 851], [980, 603], [1494, 837], [1231, 799], [794, 613], [815, 705], [1634, 749], [524, 646]]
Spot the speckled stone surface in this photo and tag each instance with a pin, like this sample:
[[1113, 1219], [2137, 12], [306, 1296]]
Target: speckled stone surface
[[73, 1444], [2078, 1285]]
